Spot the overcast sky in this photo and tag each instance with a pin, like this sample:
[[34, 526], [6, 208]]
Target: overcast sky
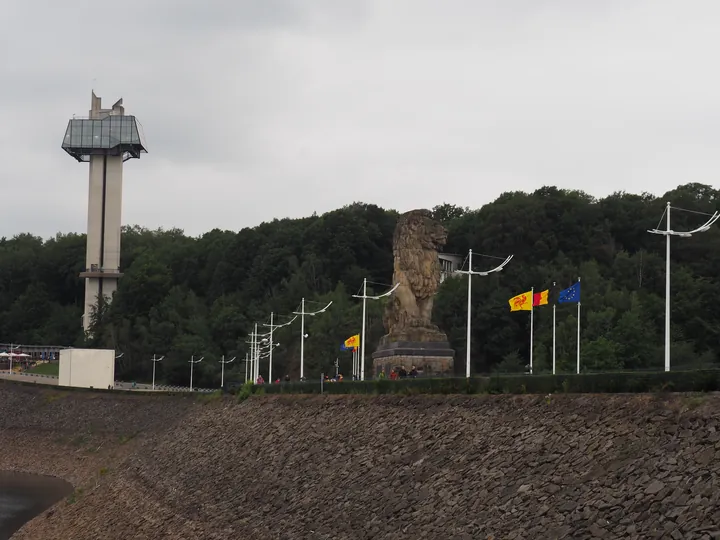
[[257, 109]]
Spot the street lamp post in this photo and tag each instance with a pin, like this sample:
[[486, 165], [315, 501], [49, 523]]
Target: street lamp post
[[273, 327], [222, 369], [365, 298], [256, 356], [470, 273], [302, 314], [11, 355], [155, 361], [255, 352], [667, 233], [192, 364]]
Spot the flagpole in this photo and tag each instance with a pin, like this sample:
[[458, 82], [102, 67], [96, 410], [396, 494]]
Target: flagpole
[[532, 325], [578, 336], [362, 333]]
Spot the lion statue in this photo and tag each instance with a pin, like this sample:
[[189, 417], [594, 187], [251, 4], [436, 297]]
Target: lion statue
[[416, 269]]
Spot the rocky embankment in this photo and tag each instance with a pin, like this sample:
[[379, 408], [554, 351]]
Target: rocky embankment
[[384, 467]]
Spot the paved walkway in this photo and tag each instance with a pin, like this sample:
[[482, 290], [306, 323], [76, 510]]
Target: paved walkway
[[119, 385], [29, 377]]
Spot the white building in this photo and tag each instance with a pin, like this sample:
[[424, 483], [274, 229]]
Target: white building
[[449, 264]]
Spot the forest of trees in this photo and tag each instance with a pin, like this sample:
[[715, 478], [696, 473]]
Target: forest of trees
[[182, 295]]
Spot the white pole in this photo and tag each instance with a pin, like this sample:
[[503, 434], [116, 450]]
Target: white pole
[[667, 292], [578, 337], [271, 348], [667, 232], [273, 326], [258, 344], [154, 361], [302, 339], [362, 336], [469, 308], [553, 339], [256, 365], [11, 357], [532, 326], [222, 371], [192, 364], [257, 355], [252, 356]]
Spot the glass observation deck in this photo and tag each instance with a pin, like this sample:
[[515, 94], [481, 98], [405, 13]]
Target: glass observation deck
[[114, 135]]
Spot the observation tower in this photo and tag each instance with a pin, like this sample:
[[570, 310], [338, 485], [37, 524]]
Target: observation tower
[[105, 140]]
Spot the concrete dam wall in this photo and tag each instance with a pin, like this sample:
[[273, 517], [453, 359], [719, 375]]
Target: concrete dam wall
[[384, 467]]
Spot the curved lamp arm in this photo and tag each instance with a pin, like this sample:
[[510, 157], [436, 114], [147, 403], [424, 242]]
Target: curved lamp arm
[[388, 293], [486, 272]]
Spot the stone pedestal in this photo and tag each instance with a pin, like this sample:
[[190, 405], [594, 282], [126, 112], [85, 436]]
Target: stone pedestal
[[432, 359]]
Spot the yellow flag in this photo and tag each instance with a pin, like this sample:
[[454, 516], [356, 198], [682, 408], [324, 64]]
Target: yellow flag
[[521, 302], [352, 342]]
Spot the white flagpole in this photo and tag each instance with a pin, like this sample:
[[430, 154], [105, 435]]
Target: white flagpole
[[578, 335], [362, 333], [532, 325]]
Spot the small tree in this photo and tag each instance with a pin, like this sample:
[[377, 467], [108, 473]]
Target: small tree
[[99, 322]]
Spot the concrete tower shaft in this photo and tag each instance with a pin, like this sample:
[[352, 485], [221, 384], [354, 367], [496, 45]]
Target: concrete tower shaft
[[105, 140]]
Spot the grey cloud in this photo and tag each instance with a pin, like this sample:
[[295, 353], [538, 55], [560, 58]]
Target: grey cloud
[[254, 110]]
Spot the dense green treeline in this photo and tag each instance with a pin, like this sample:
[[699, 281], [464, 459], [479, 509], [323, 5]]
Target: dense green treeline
[[181, 295]]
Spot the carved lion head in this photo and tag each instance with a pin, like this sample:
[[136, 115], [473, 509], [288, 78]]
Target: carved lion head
[[423, 229]]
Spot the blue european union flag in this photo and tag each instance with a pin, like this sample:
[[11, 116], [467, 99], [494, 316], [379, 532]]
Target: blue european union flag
[[343, 347], [570, 295]]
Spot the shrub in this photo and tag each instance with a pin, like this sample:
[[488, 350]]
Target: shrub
[[615, 382]]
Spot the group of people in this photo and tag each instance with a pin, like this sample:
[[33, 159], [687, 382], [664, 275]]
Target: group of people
[[399, 373], [261, 380]]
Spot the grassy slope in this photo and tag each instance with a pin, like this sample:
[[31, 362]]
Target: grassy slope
[[51, 368]]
